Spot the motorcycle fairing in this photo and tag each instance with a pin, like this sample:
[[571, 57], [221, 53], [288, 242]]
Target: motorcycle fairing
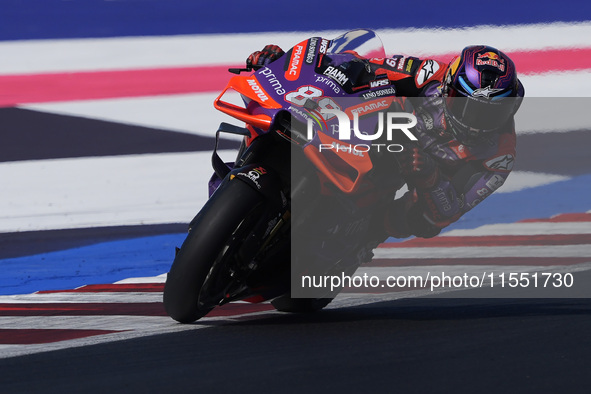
[[267, 92], [250, 89]]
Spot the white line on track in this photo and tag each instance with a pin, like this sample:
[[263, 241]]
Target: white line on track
[[451, 270], [115, 190], [187, 113], [485, 251], [36, 56], [125, 190], [114, 323], [19, 350], [151, 279], [103, 297], [521, 180], [530, 229]]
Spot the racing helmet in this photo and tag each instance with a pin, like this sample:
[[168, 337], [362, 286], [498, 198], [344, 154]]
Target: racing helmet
[[481, 92]]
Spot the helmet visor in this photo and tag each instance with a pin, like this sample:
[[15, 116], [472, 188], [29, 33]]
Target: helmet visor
[[480, 114]]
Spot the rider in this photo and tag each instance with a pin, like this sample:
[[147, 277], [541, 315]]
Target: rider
[[465, 129]]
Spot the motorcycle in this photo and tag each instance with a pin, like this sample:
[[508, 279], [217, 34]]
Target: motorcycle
[[298, 200]]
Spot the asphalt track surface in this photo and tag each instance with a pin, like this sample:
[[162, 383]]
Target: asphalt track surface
[[411, 345]]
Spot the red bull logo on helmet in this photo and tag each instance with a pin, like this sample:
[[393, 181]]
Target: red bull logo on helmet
[[490, 59], [490, 55]]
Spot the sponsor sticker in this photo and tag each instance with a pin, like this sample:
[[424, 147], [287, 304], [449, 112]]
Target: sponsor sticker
[[389, 91], [409, 65], [329, 82], [369, 107], [257, 89], [323, 46], [401, 63], [427, 70], [273, 81], [490, 59], [379, 82], [485, 92], [495, 182], [501, 163], [254, 175], [311, 52], [295, 62], [336, 74]]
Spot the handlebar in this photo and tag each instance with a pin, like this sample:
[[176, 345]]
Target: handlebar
[[248, 68]]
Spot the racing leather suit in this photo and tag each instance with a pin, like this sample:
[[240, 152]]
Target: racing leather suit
[[465, 175]]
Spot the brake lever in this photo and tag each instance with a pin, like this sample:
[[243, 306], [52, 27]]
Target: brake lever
[[248, 68]]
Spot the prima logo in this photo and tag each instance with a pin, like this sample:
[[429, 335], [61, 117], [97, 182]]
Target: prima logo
[[272, 79]]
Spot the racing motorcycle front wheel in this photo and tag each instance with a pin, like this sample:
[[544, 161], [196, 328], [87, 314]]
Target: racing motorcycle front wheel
[[197, 278]]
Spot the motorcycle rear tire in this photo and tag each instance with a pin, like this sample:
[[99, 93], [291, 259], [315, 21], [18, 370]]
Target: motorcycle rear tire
[[210, 232]]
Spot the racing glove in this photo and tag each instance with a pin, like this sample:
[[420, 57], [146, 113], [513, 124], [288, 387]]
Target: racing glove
[[417, 167], [432, 202], [409, 216], [264, 57]]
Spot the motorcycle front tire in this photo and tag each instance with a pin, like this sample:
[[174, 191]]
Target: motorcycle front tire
[[210, 231]]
